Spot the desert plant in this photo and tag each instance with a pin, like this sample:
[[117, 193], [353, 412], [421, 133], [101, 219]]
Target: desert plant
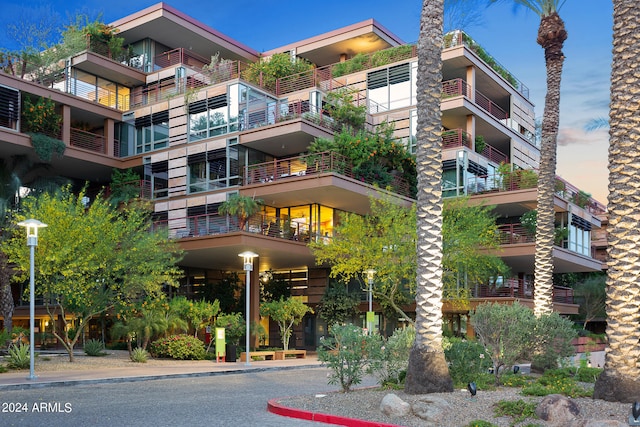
[[94, 348], [139, 355], [389, 363], [519, 410], [19, 357], [286, 313], [181, 347], [346, 353], [506, 331], [552, 340], [467, 359]]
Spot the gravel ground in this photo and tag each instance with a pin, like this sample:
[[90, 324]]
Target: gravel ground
[[365, 403]]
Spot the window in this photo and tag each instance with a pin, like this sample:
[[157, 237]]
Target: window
[[152, 132], [209, 117], [158, 174], [216, 168], [391, 88], [9, 107]]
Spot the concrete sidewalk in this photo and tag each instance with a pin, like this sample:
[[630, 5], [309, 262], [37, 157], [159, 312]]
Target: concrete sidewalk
[[142, 372]]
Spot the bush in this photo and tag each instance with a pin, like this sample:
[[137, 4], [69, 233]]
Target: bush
[[94, 348], [389, 364], [181, 347], [519, 410], [19, 357], [346, 353], [557, 381], [139, 355], [466, 359], [553, 335]]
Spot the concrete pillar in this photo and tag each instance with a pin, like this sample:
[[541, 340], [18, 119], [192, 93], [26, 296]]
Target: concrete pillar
[[66, 125], [109, 129]]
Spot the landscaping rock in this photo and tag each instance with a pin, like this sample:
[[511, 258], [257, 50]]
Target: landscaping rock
[[558, 410], [393, 406], [430, 408]]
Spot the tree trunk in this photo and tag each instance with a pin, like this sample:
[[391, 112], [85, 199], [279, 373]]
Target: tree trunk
[[427, 371], [551, 36], [6, 297], [620, 381]]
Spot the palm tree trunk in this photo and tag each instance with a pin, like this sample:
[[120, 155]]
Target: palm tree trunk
[[619, 381], [551, 36], [427, 371], [6, 296]]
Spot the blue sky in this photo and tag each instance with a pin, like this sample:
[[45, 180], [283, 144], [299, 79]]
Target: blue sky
[[507, 34]]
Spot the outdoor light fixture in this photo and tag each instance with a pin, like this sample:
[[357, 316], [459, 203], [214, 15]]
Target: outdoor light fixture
[[370, 273], [32, 226], [635, 414], [248, 257], [516, 369], [472, 388]]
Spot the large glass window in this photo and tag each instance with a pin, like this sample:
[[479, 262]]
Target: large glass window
[[152, 132], [158, 175], [209, 117], [392, 87], [99, 90], [216, 168]]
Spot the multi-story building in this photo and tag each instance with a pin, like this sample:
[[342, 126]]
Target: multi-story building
[[198, 133]]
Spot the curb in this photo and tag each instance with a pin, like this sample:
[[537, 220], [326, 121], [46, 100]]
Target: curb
[[71, 382], [276, 408]]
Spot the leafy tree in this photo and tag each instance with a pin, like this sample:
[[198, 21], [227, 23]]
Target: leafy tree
[[92, 259], [337, 304], [286, 313], [199, 314], [506, 331], [274, 289], [227, 292], [553, 336], [234, 327], [341, 107], [591, 295], [385, 240], [266, 71]]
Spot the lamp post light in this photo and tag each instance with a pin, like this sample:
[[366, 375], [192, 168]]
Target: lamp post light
[[32, 226], [248, 257], [370, 273]]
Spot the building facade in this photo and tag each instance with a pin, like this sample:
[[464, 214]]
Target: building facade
[[178, 107]]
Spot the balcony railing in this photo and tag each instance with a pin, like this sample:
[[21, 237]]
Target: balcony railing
[[511, 234], [458, 38], [313, 164], [214, 224], [455, 138], [88, 141], [458, 87], [180, 56], [518, 288]]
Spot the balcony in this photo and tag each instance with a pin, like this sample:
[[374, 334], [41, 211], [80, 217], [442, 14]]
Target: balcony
[[454, 138], [458, 87], [315, 164], [521, 289], [511, 234]]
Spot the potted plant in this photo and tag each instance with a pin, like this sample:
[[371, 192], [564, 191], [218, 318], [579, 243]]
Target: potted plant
[[242, 207], [234, 328]]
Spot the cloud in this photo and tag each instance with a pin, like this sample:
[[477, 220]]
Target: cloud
[[578, 136]]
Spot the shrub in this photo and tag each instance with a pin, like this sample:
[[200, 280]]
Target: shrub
[[181, 347], [466, 359], [480, 423], [139, 355], [553, 335], [94, 348], [588, 375], [389, 363], [19, 357], [557, 381], [519, 410], [346, 353]]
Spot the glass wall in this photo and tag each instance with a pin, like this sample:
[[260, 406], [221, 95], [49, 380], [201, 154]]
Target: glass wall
[[152, 132], [216, 168], [392, 88], [99, 90]]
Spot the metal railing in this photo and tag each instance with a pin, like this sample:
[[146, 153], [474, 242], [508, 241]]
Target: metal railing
[[519, 288], [458, 87], [87, 141], [313, 164], [511, 234], [453, 138]]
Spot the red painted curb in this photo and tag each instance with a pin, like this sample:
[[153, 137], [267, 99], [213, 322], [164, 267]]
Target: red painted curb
[[276, 408]]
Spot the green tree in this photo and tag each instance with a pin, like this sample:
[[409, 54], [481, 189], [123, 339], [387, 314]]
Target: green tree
[[266, 71], [591, 295], [428, 371], [620, 381], [506, 331], [551, 37], [385, 240], [92, 259], [337, 305], [242, 207], [552, 340], [286, 313], [342, 108]]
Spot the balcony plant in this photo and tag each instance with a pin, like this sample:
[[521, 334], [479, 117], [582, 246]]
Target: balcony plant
[[480, 144], [242, 207], [42, 123]]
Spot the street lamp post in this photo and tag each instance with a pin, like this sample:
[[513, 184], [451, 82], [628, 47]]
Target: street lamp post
[[32, 226], [370, 273], [248, 257]]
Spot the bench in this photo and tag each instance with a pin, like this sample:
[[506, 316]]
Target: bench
[[264, 355], [299, 354]]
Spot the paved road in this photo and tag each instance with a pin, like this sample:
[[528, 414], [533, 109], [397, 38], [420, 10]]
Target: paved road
[[225, 400]]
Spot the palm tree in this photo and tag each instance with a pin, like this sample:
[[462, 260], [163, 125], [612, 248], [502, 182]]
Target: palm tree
[[427, 371], [551, 36], [619, 381], [242, 207]]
